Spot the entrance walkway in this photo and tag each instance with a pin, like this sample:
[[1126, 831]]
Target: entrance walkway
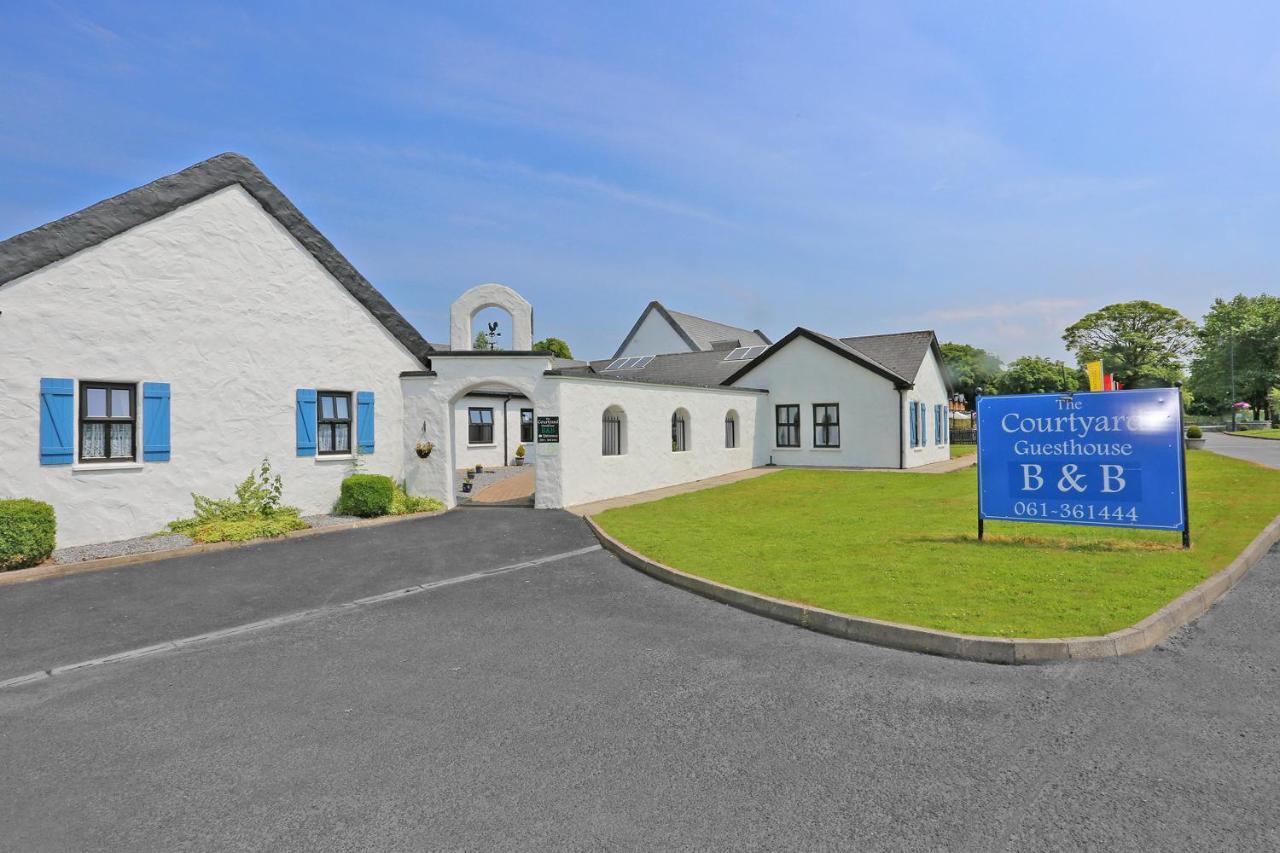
[[513, 490]]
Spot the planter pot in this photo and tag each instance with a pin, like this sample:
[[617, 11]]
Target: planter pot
[[519, 460], [466, 486], [422, 454], [1194, 443]]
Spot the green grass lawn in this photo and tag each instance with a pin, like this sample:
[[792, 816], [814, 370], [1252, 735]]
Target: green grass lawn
[[958, 450], [903, 547], [1261, 433]]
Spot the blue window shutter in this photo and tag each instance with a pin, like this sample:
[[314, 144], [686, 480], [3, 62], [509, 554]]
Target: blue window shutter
[[57, 421], [155, 421], [913, 423], [364, 421], [306, 419]]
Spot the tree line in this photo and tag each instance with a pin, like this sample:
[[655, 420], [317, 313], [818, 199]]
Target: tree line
[[1146, 345]]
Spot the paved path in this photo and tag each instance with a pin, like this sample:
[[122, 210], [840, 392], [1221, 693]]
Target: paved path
[[581, 705], [1264, 451], [517, 487]]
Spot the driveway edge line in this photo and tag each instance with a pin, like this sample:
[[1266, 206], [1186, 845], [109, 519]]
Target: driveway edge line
[[1134, 639], [57, 570]]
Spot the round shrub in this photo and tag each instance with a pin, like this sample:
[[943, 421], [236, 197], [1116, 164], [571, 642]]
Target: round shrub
[[1194, 431], [366, 495], [27, 531]]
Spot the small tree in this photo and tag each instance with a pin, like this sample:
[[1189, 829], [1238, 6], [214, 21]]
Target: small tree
[[557, 347], [971, 368], [1035, 375]]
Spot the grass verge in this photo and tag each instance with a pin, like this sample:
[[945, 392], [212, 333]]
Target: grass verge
[[903, 547], [958, 450], [1261, 433]]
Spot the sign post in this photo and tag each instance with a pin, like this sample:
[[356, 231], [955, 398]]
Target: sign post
[[1107, 459]]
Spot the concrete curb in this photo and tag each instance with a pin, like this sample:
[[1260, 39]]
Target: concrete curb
[[57, 570], [1127, 641]]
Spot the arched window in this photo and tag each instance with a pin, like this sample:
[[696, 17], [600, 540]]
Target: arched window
[[731, 429], [679, 430], [613, 432]]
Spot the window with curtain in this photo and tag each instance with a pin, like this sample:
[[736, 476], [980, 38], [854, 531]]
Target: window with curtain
[[731, 430], [826, 425], [526, 425], [479, 426], [108, 417], [333, 422], [787, 421]]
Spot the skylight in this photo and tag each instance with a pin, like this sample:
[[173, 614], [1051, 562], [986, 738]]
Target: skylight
[[635, 362], [745, 353]]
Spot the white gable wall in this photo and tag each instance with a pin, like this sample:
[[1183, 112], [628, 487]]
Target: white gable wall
[[655, 337], [930, 389], [804, 373], [219, 301]]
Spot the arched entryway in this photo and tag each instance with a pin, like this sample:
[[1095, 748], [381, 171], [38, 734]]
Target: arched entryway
[[494, 452]]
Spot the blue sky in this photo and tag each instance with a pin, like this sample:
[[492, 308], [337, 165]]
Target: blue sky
[[990, 170]]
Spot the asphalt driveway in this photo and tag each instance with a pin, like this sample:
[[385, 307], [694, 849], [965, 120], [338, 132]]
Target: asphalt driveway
[[1261, 450], [580, 705]]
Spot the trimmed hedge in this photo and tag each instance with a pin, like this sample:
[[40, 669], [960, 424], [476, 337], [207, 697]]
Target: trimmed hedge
[[27, 532], [366, 495]]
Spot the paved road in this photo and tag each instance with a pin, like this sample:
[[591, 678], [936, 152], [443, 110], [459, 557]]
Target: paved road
[[581, 705], [1261, 450]]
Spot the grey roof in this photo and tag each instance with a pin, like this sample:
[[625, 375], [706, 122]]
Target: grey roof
[[701, 369], [836, 345], [903, 353], [39, 247], [698, 332]]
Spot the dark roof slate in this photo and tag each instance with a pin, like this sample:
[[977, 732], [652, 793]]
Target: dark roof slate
[[32, 250], [903, 352], [701, 369]]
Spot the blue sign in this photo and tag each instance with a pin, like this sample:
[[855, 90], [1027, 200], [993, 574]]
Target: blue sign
[[1109, 458]]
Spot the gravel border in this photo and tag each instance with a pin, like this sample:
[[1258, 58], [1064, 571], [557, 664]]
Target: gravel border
[[124, 547], [329, 520]]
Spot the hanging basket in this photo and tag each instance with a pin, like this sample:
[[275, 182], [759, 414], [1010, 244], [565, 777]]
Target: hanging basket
[[423, 448]]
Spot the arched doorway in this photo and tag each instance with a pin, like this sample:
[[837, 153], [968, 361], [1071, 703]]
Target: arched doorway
[[494, 452]]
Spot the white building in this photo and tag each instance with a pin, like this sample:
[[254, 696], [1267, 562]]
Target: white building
[[165, 341]]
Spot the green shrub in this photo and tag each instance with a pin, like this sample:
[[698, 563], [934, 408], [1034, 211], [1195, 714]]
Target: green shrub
[[244, 529], [254, 512], [366, 495], [407, 504], [27, 531], [1194, 431]]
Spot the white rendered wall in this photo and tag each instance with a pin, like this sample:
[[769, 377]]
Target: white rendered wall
[[804, 373], [490, 455], [930, 389], [464, 310], [218, 300], [577, 472], [655, 337]]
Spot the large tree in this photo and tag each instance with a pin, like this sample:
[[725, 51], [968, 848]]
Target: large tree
[[1032, 374], [1248, 328], [556, 346], [1142, 343], [971, 368]]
